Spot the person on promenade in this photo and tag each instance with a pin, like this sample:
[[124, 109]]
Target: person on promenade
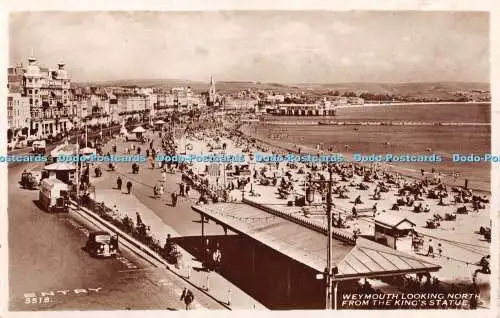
[[430, 251], [216, 258], [161, 191], [119, 183], [187, 190], [174, 199], [181, 189], [138, 219], [129, 187], [188, 297]]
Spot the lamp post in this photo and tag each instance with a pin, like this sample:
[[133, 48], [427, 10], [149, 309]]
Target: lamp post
[[78, 164], [329, 271]]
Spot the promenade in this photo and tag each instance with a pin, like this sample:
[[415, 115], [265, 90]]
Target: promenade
[[163, 219], [462, 248]]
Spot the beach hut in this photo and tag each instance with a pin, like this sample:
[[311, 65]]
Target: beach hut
[[394, 231]]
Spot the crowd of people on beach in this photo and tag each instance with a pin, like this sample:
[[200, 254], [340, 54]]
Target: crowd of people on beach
[[303, 184]]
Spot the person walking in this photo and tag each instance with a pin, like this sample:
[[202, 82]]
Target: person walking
[[430, 251], [174, 199], [161, 190], [181, 189], [187, 190], [188, 297], [129, 187], [119, 183]]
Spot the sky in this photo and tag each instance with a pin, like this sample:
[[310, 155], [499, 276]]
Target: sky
[[266, 46]]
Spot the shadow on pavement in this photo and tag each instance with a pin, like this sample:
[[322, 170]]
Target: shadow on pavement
[[269, 277]]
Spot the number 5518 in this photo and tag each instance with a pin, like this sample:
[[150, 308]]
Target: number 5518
[[36, 300]]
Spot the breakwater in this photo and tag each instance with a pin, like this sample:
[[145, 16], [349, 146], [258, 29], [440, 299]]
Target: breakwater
[[371, 123]]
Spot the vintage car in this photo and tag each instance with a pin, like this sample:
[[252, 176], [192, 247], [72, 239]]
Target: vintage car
[[38, 147], [28, 181], [102, 244]]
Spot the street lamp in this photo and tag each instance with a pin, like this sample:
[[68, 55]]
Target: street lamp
[[330, 271]]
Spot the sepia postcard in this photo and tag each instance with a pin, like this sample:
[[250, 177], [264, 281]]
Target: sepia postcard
[[249, 160]]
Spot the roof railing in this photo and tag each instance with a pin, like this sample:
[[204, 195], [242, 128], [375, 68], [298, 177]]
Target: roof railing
[[344, 237]]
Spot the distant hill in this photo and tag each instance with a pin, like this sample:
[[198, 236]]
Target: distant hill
[[440, 90]]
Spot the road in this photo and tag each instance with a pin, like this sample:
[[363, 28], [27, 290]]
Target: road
[[27, 150], [181, 218], [48, 270]]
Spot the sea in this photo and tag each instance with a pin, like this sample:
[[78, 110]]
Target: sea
[[398, 140]]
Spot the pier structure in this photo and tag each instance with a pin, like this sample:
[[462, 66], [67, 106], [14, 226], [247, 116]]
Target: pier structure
[[323, 108]]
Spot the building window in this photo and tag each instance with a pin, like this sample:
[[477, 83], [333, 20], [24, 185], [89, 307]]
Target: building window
[[36, 91], [30, 91]]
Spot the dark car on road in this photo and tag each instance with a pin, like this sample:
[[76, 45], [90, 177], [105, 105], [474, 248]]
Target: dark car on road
[[102, 244]]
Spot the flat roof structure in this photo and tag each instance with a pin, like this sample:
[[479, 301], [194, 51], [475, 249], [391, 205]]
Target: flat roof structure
[[363, 259]]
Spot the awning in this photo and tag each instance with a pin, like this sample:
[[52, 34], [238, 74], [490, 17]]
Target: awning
[[309, 247], [64, 150], [87, 151], [60, 166], [139, 130]]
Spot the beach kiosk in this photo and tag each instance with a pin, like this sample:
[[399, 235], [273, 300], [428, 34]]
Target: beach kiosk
[[158, 125], [53, 195], [138, 131], [394, 231], [62, 171]]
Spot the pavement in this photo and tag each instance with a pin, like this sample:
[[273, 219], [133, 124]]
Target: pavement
[[48, 270]]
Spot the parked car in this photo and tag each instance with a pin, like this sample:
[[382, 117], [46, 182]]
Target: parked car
[[102, 244]]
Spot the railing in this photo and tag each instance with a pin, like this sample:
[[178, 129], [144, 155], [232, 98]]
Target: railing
[[125, 224], [301, 221]]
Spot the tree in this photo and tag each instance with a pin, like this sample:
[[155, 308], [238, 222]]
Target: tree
[[349, 94], [336, 93]]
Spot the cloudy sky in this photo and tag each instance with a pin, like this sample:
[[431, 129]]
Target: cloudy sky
[[273, 46]]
